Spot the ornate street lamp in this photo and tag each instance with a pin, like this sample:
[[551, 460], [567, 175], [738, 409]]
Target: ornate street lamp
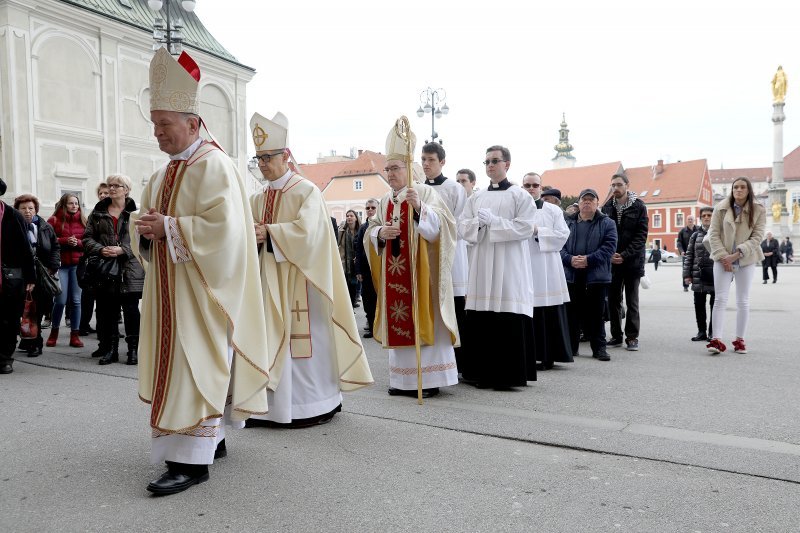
[[433, 101], [167, 31]]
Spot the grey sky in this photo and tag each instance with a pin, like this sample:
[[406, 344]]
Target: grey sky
[[638, 80]]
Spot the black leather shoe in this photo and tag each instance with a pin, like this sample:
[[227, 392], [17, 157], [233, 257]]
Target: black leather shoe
[[178, 477], [368, 335], [35, 351], [429, 393], [701, 336], [221, 451], [175, 482], [6, 369]]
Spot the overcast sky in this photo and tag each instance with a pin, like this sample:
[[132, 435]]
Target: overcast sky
[[638, 80]]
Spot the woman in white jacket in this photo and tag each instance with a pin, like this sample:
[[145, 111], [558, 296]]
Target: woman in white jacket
[[735, 235]]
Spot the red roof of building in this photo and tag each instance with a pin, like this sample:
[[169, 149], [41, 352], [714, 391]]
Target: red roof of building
[[571, 181], [791, 171], [365, 164], [677, 182]]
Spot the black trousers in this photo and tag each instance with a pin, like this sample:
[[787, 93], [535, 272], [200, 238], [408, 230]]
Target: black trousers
[[497, 349], [87, 308], [585, 309], [12, 302], [630, 285], [765, 270], [369, 298], [461, 319], [109, 303], [700, 311]]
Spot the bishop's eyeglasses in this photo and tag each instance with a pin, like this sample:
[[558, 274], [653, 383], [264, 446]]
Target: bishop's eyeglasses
[[264, 158]]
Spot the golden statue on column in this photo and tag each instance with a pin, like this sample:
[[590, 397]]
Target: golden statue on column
[[779, 85]]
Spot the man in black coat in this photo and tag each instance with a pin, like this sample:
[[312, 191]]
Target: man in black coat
[[363, 274], [771, 250], [698, 270], [627, 265], [683, 242], [18, 276]]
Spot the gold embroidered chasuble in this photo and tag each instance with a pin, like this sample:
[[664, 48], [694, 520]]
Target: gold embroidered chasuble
[[300, 229], [188, 307], [433, 262]]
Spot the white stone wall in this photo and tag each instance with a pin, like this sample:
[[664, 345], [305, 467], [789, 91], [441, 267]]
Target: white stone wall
[[74, 102]]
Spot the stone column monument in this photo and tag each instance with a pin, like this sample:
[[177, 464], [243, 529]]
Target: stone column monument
[[778, 214]]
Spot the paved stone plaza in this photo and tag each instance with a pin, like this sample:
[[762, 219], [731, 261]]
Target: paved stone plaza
[[664, 439]]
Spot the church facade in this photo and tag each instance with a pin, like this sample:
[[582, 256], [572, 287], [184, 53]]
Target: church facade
[[74, 95]]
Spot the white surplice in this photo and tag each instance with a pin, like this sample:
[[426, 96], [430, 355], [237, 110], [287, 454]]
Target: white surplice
[[549, 283], [455, 197], [500, 276]]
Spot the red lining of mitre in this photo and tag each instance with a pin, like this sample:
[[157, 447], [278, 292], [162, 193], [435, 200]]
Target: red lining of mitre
[[186, 61]]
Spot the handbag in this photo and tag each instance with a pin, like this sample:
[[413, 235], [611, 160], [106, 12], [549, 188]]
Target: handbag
[[29, 326], [97, 271], [645, 282], [47, 283]]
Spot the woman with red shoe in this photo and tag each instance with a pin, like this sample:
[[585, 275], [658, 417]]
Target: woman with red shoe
[[737, 229], [69, 222]]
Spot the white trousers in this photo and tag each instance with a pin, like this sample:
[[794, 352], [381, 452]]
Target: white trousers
[[743, 276]]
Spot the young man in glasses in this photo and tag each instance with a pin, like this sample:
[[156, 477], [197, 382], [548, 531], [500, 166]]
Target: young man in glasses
[[455, 197], [498, 223], [627, 265], [550, 326], [315, 351], [412, 243]]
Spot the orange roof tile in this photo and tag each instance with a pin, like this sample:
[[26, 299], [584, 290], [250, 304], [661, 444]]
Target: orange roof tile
[[366, 163], [679, 182], [727, 175], [321, 173], [571, 181]]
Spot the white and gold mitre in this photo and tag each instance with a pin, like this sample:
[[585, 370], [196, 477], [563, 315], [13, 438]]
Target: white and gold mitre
[[269, 135], [401, 141], [174, 84]]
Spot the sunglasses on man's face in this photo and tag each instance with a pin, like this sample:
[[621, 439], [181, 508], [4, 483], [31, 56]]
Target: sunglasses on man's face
[[531, 185]]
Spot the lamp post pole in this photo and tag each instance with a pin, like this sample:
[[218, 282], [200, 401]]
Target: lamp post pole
[[167, 31], [433, 101]]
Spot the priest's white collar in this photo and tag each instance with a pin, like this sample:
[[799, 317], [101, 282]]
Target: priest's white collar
[[280, 182], [186, 154]]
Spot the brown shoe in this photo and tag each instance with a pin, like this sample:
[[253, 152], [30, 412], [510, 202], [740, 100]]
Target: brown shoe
[[75, 339]]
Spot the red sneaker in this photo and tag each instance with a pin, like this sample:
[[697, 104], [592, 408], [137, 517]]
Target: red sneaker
[[739, 347], [716, 346]]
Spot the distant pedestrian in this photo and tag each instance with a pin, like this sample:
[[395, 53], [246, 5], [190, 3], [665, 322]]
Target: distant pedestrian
[[655, 256], [363, 272], [787, 251], [771, 250], [737, 228], [698, 270]]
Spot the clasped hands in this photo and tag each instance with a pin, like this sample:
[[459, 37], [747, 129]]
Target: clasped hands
[[151, 225], [486, 217], [729, 260], [579, 261], [261, 232]]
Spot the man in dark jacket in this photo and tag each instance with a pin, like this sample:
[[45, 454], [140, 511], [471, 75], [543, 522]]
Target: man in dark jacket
[[363, 273], [698, 270], [587, 267], [683, 243], [627, 265], [18, 276], [771, 250]]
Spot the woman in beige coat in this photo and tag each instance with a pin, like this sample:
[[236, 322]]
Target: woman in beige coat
[[735, 235]]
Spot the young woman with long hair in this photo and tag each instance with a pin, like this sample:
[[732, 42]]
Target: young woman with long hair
[[69, 222], [348, 233], [735, 235]]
